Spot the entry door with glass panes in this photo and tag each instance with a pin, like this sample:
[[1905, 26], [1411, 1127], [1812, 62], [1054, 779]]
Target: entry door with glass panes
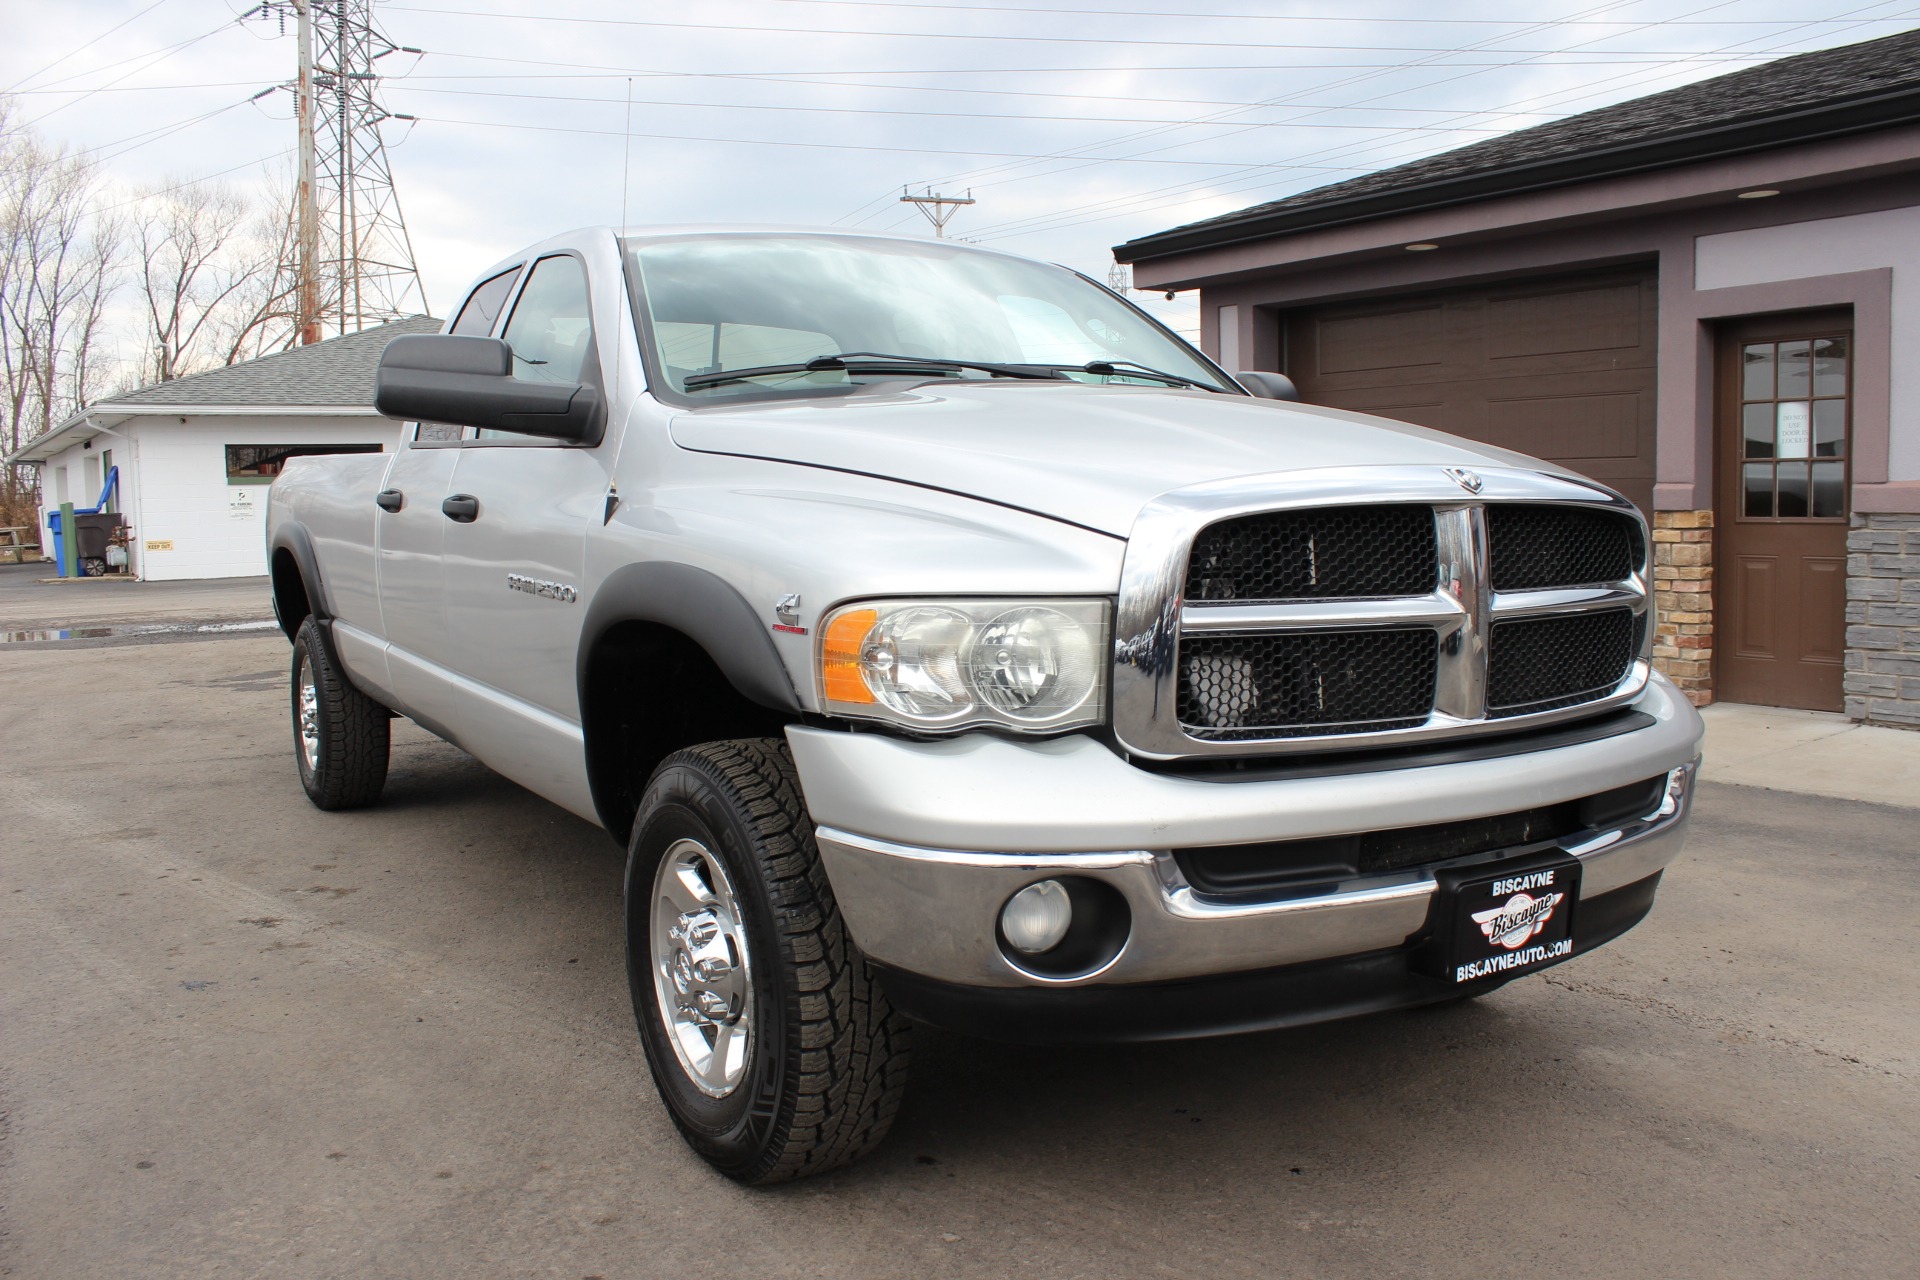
[[1781, 548]]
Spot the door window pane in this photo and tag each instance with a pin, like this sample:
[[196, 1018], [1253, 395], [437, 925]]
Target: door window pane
[[1794, 378], [551, 331], [1829, 366], [1829, 496], [1793, 424], [1756, 425], [1793, 489], [1756, 481], [1830, 428], [1756, 377], [483, 307]]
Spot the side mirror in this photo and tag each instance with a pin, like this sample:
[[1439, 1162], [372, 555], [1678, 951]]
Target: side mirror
[[1268, 386], [468, 382]]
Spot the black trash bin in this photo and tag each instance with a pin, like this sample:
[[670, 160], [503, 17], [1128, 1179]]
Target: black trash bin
[[91, 535]]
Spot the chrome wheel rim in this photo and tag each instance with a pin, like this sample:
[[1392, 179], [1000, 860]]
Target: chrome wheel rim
[[702, 977], [309, 726]]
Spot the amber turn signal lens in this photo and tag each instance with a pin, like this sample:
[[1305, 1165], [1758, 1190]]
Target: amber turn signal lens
[[840, 656]]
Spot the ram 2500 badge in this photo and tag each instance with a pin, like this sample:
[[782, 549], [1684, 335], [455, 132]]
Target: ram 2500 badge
[[946, 640]]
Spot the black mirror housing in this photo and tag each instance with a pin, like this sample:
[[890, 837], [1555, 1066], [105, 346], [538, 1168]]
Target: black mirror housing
[[1268, 386], [468, 382]]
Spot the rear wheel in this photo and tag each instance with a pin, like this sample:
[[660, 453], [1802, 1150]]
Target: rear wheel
[[340, 735], [769, 1039]]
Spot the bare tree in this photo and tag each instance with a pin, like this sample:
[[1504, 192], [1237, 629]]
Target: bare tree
[[57, 270], [262, 316], [197, 269]]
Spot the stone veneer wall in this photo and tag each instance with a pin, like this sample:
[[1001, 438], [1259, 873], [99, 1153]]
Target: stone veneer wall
[[1683, 600], [1883, 620]]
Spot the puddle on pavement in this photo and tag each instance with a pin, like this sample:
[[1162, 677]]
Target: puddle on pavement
[[131, 631]]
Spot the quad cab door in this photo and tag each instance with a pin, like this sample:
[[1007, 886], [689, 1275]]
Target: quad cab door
[[520, 509], [1785, 457], [412, 539]]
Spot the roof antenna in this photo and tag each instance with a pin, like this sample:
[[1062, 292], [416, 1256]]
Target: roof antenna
[[626, 155]]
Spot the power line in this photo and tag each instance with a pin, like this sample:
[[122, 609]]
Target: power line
[[791, 143], [1121, 206], [1396, 19], [1361, 148], [1082, 161], [79, 49], [1078, 39], [153, 59], [882, 111], [411, 80], [1094, 69]]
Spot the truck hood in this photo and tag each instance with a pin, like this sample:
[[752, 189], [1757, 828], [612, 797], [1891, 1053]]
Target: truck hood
[[1091, 455]]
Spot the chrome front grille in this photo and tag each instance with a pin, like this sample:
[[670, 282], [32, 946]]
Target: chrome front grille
[[1364, 606], [1315, 683], [1329, 553]]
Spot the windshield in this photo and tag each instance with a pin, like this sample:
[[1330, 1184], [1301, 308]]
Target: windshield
[[758, 302]]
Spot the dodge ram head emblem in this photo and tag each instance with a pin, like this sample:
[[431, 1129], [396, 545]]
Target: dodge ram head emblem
[[1468, 480]]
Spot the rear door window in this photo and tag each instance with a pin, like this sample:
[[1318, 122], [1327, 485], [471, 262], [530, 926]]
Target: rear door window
[[483, 305]]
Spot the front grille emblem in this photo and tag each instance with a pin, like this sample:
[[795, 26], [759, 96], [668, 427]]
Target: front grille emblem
[[1468, 480]]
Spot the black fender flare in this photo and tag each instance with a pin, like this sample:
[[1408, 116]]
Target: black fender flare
[[294, 539], [707, 610]]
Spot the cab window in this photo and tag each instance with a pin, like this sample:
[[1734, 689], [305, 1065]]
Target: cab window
[[551, 331], [483, 305]]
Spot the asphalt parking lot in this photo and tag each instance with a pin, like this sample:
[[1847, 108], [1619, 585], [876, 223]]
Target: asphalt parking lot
[[243, 1037]]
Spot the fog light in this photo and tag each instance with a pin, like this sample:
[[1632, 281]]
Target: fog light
[[1036, 918]]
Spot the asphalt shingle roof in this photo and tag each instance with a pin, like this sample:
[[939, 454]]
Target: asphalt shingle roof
[[338, 371], [1787, 87]]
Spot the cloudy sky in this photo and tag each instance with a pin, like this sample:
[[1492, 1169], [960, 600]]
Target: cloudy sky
[[1075, 124]]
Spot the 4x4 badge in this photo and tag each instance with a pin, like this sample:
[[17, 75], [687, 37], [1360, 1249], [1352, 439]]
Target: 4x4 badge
[[1468, 480]]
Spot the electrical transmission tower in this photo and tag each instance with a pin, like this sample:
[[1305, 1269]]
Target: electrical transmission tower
[[939, 209], [350, 264]]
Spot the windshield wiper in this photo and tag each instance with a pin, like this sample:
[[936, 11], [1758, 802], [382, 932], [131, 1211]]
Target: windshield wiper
[[869, 362], [1136, 370]]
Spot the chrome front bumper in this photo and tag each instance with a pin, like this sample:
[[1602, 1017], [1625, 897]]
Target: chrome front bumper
[[932, 911]]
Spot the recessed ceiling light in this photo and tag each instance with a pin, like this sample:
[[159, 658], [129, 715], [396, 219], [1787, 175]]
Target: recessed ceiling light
[[1760, 194], [1422, 247]]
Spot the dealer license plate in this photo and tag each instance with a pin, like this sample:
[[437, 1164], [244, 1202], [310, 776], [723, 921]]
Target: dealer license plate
[[1513, 920]]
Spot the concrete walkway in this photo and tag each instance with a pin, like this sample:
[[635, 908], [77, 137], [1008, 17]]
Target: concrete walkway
[[1812, 752]]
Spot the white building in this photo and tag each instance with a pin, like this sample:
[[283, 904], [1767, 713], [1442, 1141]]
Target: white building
[[195, 455]]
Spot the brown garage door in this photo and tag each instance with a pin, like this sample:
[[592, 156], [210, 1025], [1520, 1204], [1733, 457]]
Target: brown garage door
[[1560, 368]]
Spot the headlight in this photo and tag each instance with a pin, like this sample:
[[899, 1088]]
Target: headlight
[[1037, 665]]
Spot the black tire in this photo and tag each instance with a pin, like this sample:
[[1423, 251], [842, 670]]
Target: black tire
[[826, 1058], [346, 766]]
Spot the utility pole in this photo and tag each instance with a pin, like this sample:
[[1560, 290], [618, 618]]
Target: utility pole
[[306, 267], [351, 263], [939, 209]]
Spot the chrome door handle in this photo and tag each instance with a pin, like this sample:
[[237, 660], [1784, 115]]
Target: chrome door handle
[[390, 499], [463, 507]]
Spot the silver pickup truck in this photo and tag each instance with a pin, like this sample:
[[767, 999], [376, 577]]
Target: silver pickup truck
[[946, 640]]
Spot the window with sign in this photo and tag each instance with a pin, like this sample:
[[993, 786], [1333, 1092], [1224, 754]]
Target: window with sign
[[1793, 429], [260, 463]]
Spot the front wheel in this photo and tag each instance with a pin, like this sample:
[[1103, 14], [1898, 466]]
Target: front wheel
[[769, 1039], [341, 737]]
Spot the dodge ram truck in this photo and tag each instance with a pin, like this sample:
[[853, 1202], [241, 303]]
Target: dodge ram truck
[[945, 640]]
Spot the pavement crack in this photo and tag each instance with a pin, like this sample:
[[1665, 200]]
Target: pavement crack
[[1697, 1021]]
